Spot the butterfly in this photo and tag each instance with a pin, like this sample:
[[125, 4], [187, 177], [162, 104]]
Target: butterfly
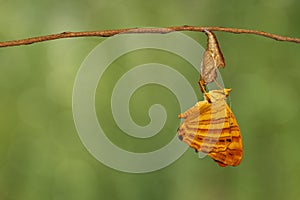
[[210, 127]]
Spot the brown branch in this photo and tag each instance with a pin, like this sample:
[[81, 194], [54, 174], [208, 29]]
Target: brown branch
[[109, 33]]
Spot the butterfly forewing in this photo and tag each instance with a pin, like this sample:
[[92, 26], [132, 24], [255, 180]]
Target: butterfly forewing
[[232, 138]]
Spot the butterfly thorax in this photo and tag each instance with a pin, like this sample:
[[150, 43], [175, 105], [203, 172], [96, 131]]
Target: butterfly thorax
[[214, 96]]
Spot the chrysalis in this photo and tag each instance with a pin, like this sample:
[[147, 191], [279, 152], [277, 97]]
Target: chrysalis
[[212, 59], [214, 47]]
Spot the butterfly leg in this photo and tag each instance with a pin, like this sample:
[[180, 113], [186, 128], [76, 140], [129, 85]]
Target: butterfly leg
[[202, 86]]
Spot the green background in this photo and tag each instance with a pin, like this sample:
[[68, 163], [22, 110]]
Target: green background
[[41, 155]]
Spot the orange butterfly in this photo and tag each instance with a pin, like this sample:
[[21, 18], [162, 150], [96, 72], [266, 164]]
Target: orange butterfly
[[210, 127]]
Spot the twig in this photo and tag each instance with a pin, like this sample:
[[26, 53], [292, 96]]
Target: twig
[[109, 33]]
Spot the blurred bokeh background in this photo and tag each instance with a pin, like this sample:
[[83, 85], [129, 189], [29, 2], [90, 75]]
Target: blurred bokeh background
[[41, 155]]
